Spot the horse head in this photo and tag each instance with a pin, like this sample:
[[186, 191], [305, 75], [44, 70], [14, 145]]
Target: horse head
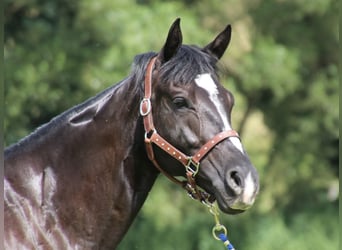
[[190, 108]]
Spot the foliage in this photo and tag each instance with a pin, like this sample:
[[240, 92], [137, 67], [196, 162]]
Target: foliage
[[281, 66]]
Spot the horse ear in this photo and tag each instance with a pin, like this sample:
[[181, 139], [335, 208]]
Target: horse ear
[[220, 43], [173, 42]]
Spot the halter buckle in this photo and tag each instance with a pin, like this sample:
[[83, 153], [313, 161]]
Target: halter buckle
[[192, 167], [148, 106]]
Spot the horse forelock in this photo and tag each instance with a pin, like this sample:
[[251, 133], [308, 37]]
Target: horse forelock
[[189, 62], [182, 68]]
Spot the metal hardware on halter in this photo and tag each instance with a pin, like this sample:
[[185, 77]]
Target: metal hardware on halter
[[148, 107], [192, 167], [149, 134], [190, 191]]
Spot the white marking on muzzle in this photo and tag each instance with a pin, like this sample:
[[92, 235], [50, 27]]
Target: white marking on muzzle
[[249, 190], [205, 82]]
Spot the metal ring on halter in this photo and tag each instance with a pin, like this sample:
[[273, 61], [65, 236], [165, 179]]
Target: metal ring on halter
[[149, 134], [149, 106]]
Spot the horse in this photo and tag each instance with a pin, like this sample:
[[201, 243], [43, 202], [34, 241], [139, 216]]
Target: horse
[[78, 181]]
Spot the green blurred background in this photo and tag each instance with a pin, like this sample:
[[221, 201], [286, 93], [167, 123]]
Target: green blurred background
[[282, 67]]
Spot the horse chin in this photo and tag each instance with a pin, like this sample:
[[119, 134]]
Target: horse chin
[[226, 207], [230, 205], [226, 204]]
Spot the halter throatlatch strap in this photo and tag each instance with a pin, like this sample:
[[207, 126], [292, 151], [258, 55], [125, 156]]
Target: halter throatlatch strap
[[191, 163]]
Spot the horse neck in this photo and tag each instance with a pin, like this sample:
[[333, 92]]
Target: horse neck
[[135, 171], [98, 172]]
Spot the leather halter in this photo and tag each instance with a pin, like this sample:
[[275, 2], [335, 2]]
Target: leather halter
[[191, 163]]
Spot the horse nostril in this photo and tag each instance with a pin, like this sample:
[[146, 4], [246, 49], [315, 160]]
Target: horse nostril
[[236, 178], [235, 182]]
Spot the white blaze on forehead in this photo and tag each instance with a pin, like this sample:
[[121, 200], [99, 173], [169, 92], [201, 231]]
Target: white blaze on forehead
[[207, 83]]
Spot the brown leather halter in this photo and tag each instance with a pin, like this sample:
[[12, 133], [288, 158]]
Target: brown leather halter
[[191, 163]]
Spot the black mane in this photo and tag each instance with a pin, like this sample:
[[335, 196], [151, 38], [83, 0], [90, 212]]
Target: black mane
[[139, 69], [181, 69]]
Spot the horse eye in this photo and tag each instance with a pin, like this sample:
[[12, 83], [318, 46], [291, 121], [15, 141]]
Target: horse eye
[[180, 102]]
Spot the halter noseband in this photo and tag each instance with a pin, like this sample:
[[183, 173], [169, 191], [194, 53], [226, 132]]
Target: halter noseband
[[191, 163]]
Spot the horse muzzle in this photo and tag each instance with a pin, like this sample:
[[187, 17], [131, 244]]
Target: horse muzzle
[[238, 192]]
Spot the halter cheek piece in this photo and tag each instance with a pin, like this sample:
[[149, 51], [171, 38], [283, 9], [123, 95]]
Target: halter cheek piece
[[191, 163]]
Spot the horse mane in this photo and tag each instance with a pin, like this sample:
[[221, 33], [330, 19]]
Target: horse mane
[[137, 75], [182, 68], [139, 66]]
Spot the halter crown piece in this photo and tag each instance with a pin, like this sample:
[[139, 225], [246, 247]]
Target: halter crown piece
[[191, 163]]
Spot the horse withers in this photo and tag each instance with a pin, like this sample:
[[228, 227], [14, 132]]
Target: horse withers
[[78, 181]]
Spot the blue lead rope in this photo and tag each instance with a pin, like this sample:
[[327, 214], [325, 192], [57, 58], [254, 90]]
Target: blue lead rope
[[225, 241]]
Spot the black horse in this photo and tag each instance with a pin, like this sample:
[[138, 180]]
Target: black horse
[[78, 181]]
